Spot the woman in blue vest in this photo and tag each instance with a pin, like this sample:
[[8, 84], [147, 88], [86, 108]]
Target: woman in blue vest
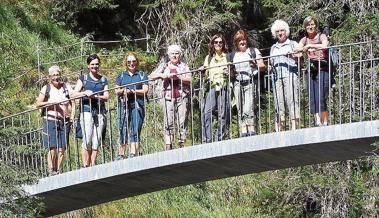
[[94, 87], [131, 88]]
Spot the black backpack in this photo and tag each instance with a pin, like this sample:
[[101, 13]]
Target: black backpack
[[252, 54]]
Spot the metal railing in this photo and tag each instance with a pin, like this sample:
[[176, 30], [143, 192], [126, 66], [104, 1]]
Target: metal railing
[[353, 98]]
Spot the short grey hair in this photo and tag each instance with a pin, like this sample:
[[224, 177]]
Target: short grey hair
[[54, 69], [174, 48], [280, 24]]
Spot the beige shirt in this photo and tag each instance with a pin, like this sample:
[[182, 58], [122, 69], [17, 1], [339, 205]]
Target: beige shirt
[[62, 110]]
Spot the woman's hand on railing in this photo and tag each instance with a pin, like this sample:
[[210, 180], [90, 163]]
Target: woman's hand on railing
[[87, 93]]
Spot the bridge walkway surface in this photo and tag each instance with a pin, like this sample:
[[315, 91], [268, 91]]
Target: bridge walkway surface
[[154, 172]]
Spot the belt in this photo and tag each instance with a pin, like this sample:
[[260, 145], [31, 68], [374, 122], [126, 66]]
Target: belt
[[57, 118]]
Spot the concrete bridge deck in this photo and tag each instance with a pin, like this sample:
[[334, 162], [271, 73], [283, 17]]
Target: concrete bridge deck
[[163, 170]]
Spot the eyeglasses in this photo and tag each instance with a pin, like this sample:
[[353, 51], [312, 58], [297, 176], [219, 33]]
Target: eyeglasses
[[132, 61], [217, 43], [174, 53], [57, 78]]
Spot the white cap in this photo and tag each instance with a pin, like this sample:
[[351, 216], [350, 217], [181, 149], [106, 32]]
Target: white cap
[[54, 69]]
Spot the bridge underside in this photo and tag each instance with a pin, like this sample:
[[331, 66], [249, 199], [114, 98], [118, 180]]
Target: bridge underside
[[149, 173]]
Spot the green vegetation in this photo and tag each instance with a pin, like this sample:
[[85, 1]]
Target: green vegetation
[[24, 27], [29, 27]]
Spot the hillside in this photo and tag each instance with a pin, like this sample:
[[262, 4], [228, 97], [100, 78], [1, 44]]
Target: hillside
[[29, 27]]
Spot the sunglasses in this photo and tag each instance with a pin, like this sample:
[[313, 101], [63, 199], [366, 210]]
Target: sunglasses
[[56, 78], [132, 61], [217, 43]]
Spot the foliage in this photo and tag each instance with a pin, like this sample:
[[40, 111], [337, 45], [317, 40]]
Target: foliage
[[24, 27], [14, 201], [187, 23], [349, 19], [343, 189]]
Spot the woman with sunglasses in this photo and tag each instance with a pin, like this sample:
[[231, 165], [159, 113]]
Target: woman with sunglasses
[[58, 114], [93, 86], [176, 93], [131, 88], [217, 97]]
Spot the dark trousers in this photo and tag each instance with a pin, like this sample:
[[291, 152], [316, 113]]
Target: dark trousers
[[219, 102]]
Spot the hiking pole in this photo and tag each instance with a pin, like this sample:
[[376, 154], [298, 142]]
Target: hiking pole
[[276, 101]]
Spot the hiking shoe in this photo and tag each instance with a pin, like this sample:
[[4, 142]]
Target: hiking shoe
[[251, 133], [120, 157], [53, 173], [131, 155], [247, 134]]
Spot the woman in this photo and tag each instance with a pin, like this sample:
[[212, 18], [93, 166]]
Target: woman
[[315, 45], [285, 75], [94, 87], [131, 87], [58, 114], [217, 97], [176, 93], [248, 62]]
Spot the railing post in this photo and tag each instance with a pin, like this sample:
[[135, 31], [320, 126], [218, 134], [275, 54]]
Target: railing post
[[39, 65], [147, 39], [81, 55]]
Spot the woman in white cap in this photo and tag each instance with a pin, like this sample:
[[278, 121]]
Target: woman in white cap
[[176, 93], [58, 114]]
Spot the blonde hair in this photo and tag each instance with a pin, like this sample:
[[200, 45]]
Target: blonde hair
[[130, 53]]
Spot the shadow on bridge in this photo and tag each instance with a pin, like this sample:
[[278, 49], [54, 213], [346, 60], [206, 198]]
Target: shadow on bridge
[[189, 165]]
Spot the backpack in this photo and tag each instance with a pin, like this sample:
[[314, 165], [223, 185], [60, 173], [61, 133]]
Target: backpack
[[47, 96], [332, 52], [252, 55]]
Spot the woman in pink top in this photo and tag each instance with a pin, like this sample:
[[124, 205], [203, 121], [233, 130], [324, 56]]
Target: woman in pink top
[[58, 114], [315, 45]]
